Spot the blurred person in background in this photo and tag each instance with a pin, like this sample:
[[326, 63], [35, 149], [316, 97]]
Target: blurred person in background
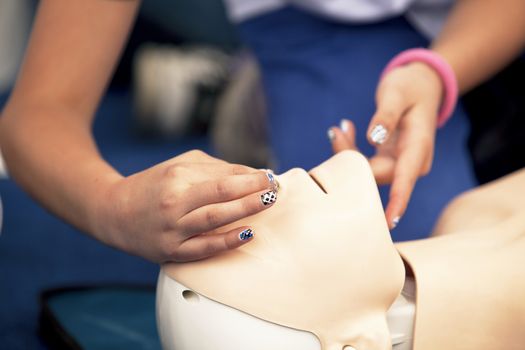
[[15, 17]]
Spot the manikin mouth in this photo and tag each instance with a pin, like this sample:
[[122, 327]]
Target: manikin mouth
[[318, 183]]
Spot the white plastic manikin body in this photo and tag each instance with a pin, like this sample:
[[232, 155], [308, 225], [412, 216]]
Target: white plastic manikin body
[[189, 321]]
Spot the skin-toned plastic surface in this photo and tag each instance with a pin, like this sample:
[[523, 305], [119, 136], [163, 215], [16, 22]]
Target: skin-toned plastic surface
[[189, 321], [471, 275], [322, 259]]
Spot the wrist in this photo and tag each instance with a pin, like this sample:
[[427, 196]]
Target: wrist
[[430, 81], [441, 68], [104, 206]]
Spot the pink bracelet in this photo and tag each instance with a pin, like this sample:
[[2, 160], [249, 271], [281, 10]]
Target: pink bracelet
[[444, 70]]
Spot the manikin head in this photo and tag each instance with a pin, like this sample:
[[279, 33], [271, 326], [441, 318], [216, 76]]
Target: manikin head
[[322, 262]]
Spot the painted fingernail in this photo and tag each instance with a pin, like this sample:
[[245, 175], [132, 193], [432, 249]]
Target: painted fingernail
[[378, 134], [246, 234], [344, 125], [331, 134], [269, 197], [273, 181], [395, 221]]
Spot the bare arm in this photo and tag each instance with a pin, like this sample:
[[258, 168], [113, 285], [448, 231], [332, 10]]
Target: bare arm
[[481, 37], [46, 125], [170, 212]]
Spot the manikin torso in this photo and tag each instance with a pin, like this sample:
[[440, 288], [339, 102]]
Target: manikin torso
[[323, 265], [471, 273], [322, 260]]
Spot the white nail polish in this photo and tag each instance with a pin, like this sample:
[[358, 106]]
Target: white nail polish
[[395, 221], [268, 198], [378, 134], [344, 125], [331, 134]]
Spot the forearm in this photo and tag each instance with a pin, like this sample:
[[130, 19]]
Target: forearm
[[45, 131], [62, 170], [481, 37]]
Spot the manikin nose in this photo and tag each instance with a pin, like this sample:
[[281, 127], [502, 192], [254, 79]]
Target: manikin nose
[[348, 347]]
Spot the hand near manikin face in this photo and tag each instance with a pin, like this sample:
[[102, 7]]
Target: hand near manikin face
[[402, 131]]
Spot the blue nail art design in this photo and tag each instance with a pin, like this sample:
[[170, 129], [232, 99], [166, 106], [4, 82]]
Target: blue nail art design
[[246, 234], [270, 177], [273, 181]]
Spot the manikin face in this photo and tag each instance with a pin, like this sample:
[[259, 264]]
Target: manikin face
[[322, 259]]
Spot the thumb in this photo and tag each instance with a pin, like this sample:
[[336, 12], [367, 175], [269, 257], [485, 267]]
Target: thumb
[[342, 138], [391, 106]]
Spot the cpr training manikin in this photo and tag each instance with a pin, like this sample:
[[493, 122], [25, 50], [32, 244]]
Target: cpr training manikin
[[323, 274]]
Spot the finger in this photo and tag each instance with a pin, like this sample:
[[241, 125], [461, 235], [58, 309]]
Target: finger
[[226, 189], [390, 108], [343, 138], [427, 166], [212, 216], [383, 167], [206, 245], [197, 155], [235, 169], [348, 129], [384, 161], [407, 170], [194, 172], [338, 140]]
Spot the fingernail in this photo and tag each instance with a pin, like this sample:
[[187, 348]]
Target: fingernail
[[273, 181], [269, 197], [246, 234], [395, 221], [331, 134], [344, 125], [378, 134]]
